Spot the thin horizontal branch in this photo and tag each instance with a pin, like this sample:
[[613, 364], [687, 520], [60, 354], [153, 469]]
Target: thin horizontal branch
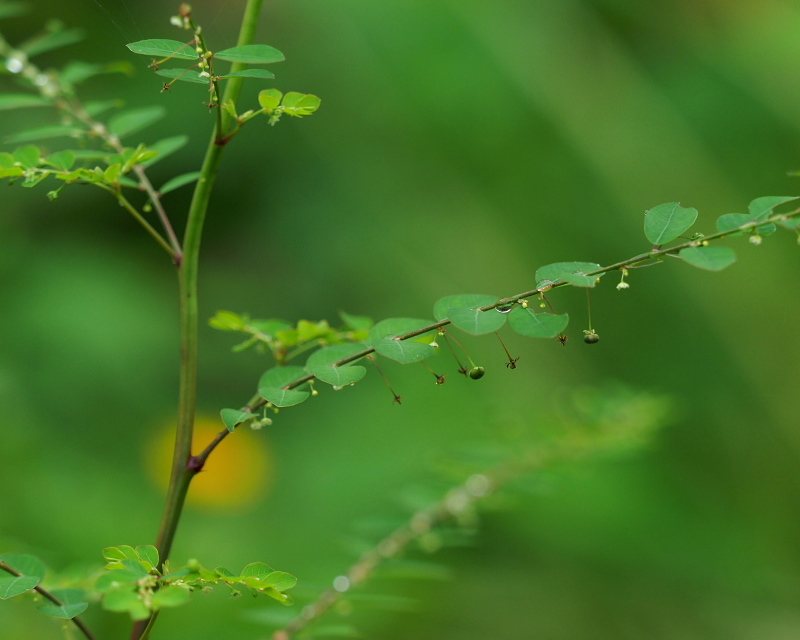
[[256, 402], [45, 593]]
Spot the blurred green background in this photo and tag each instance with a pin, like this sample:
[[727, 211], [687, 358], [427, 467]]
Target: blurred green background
[[460, 145]]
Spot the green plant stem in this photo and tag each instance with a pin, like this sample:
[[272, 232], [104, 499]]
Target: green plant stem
[[184, 465], [46, 594], [182, 468], [141, 220], [256, 402]]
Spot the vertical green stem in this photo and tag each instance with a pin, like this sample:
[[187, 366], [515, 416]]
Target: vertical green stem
[[184, 465]]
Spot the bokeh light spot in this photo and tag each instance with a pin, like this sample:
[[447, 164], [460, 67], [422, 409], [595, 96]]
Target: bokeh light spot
[[237, 474]]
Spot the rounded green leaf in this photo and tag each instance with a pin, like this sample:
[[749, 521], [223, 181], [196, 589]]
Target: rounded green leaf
[[477, 322], [25, 564], [280, 580], [394, 327], [442, 307], [281, 376], [269, 99], [667, 221], [128, 122], [258, 570], [27, 156], [537, 325], [333, 354], [183, 75], [300, 104], [117, 554], [403, 351], [65, 611], [761, 208], [710, 258], [148, 553], [171, 596], [164, 49], [573, 273], [339, 376], [262, 74], [283, 397], [251, 54], [232, 418], [730, 221], [15, 585], [63, 160], [70, 596]]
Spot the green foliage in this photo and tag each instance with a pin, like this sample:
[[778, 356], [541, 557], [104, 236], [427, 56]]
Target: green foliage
[[709, 258], [668, 221], [537, 325], [573, 273], [160, 48], [184, 75], [234, 417], [136, 586], [251, 54]]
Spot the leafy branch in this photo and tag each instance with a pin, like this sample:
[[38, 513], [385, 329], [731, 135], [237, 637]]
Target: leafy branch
[[27, 572], [663, 224], [57, 89]]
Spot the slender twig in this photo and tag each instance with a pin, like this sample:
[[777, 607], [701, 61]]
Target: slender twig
[[141, 220], [65, 100], [45, 593], [257, 401]]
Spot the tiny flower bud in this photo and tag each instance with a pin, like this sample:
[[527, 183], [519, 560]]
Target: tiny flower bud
[[623, 285], [755, 239]]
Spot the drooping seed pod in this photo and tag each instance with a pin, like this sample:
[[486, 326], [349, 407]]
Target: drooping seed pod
[[476, 373]]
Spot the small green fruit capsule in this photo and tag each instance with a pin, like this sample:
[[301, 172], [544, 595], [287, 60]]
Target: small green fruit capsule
[[591, 338], [476, 373]]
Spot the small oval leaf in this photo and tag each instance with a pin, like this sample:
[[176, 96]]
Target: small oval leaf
[[537, 325], [261, 74], [65, 611], [667, 221], [251, 54], [710, 258], [283, 397], [339, 376], [160, 48], [573, 273], [15, 585], [403, 351], [232, 418]]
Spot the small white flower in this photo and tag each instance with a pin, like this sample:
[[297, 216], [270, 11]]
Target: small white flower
[[623, 285], [755, 239]]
